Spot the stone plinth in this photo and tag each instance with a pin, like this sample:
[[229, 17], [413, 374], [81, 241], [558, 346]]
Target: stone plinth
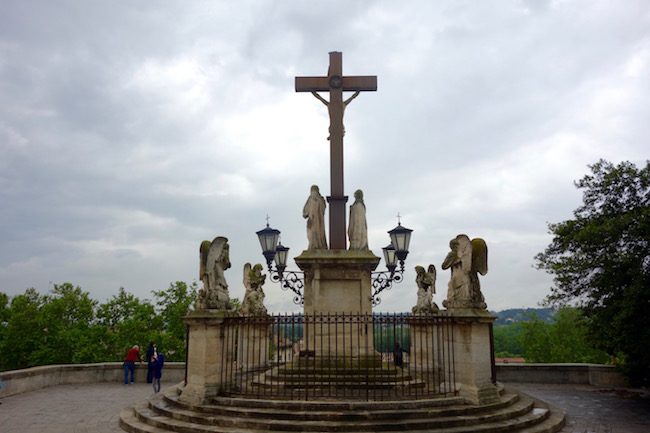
[[206, 355], [473, 355], [338, 282], [253, 344]]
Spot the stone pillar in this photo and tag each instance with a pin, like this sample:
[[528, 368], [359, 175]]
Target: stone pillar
[[338, 281], [470, 338], [207, 355], [253, 345]]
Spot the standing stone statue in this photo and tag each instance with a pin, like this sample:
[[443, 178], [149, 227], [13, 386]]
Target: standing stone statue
[[253, 303], [466, 259], [426, 282], [314, 212], [358, 228], [214, 260]]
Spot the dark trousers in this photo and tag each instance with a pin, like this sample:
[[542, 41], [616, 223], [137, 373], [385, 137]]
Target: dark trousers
[[129, 367], [149, 372]]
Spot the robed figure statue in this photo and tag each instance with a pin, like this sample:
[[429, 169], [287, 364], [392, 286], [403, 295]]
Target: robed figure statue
[[358, 228], [314, 212]]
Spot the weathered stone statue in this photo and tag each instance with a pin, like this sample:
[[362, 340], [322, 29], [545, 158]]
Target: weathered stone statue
[[214, 260], [314, 212], [253, 303], [426, 282], [466, 259], [358, 227]]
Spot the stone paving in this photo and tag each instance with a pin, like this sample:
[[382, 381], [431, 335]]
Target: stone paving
[[595, 410], [70, 408], [96, 408]]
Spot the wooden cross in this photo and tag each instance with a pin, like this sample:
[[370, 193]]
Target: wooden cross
[[335, 83]]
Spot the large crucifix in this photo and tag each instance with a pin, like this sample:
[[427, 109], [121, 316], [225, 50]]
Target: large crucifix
[[335, 83]]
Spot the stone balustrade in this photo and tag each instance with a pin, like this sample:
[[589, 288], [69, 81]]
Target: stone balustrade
[[30, 379], [585, 374]]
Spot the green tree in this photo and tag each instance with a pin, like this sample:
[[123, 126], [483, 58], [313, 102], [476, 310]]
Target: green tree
[[23, 332], [127, 321], [536, 340], [600, 261], [66, 318], [172, 305], [565, 340], [507, 340]]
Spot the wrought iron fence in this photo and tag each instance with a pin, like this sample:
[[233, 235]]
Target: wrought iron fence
[[369, 357]]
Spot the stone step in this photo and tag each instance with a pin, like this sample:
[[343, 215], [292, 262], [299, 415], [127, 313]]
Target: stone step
[[324, 385], [325, 405], [294, 411], [160, 411], [335, 376], [150, 418], [552, 424], [342, 371]]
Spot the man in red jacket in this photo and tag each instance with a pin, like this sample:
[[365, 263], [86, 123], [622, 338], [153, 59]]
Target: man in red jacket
[[132, 356]]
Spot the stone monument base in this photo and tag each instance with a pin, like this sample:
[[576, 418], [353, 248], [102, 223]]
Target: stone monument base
[[206, 355], [473, 355]]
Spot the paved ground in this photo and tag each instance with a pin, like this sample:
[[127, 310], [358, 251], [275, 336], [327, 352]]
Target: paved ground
[[96, 408], [596, 410], [70, 408]]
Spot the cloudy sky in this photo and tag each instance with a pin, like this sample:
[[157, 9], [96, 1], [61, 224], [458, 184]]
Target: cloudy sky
[[132, 131]]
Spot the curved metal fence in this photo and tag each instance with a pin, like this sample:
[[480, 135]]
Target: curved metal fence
[[342, 356]]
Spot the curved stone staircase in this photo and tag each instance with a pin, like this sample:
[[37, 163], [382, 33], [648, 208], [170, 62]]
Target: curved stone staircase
[[513, 413]]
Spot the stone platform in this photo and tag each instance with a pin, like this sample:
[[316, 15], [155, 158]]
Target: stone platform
[[512, 412], [95, 407]]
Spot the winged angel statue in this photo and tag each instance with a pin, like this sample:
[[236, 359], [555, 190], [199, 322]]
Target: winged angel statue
[[466, 259], [426, 282], [214, 260], [253, 303]]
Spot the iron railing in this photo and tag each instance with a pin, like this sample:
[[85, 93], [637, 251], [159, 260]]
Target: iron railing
[[368, 357]]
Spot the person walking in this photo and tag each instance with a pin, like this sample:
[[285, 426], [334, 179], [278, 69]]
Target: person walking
[[152, 351], [132, 356], [159, 362]]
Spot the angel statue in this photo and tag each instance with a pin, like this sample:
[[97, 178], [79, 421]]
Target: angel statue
[[426, 282], [214, 260], [466, 259], [253, 303]]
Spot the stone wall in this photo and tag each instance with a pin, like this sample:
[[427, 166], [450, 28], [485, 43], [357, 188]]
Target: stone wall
[[30, 379], [591, 374]]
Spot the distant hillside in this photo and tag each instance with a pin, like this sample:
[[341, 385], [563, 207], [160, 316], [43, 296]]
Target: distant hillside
[[516, 315]]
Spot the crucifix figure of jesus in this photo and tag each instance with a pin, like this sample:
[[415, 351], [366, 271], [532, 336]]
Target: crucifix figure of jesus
[[335, 83]]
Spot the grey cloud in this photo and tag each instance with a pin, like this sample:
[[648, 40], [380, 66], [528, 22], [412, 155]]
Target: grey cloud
[[129, 133]]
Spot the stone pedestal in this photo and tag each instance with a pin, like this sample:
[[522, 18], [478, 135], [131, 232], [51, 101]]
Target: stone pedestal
[[253, 344], [470, 338], [206, 355], [338, 282]]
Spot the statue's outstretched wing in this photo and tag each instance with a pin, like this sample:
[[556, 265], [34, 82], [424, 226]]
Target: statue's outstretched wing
[[216, 248], [203, 257], [479, 256], [247, 276]]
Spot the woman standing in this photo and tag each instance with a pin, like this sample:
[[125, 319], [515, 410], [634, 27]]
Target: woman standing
[[158, 363]]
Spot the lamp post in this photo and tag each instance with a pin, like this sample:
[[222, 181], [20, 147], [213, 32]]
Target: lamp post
[[398, 249], [274, 251]]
